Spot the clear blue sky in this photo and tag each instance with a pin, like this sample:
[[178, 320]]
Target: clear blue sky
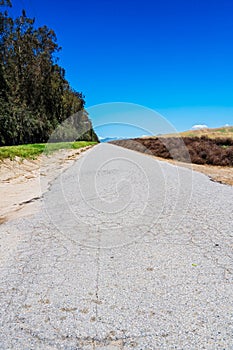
[[174, 56]]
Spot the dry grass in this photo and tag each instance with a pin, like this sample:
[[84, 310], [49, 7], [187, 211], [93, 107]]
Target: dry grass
[[223, 132], [198, 150]]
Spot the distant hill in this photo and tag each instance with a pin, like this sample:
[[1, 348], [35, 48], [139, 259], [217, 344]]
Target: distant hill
[[108, 139], [198, 150], [222, 132]]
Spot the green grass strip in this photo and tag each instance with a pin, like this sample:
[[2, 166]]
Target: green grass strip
[[32, 151]]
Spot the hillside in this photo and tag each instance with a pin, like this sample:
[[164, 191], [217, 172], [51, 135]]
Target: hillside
[[205, 146], [222, 132]]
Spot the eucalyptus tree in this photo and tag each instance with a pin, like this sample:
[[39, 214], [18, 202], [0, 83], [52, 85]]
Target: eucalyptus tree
[[35, 96]]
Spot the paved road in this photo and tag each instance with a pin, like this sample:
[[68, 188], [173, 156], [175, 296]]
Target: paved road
[[127, 253]]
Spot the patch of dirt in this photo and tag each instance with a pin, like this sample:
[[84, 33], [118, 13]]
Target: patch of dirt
[[220, 174], [21, 181]]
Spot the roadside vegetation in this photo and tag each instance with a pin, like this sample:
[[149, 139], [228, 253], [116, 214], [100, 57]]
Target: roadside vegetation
[[198, 150], [32, 151], [35, 97]]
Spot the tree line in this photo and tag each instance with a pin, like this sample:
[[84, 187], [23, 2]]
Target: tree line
[[35, 97]]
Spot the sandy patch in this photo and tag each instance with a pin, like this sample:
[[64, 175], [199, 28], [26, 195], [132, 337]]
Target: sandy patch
[[23, 182]]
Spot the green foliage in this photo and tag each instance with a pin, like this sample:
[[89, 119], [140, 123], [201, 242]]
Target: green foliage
[[35, 97], [32, 151]]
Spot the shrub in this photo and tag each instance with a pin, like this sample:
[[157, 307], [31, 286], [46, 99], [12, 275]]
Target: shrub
[[201, 150]]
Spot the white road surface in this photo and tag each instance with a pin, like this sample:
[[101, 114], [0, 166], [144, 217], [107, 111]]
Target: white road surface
[[127, 253]]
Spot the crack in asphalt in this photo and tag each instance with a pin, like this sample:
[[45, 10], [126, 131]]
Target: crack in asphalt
[[168, 285]]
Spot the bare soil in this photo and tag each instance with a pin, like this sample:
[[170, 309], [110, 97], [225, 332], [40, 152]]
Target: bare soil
[[222, 174]]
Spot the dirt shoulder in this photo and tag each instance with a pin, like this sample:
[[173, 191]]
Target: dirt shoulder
[[23, 182], [222, 174]]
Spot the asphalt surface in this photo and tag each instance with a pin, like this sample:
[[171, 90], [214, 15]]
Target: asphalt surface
[[127, 253]]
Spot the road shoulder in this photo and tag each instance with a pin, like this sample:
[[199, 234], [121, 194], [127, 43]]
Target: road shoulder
[[20, 181]]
